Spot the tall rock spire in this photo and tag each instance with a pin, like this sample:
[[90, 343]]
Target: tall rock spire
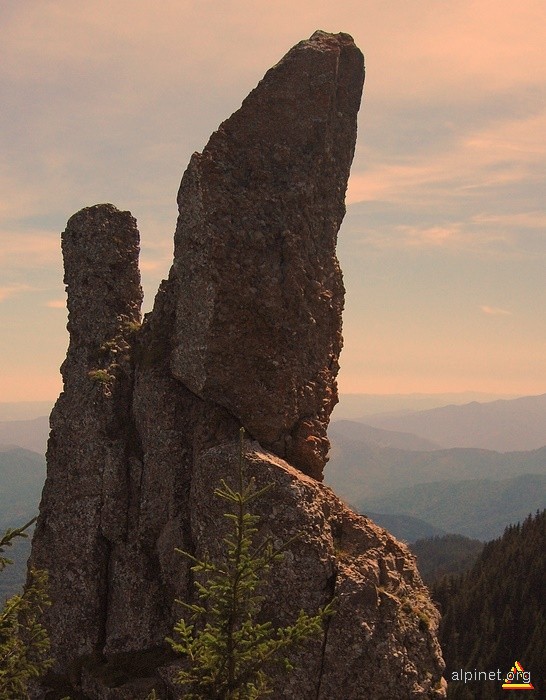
[[258, 314], [245, 332], [84, 503]]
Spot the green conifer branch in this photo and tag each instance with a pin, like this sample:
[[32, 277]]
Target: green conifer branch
[[225, 648], [24, 643]]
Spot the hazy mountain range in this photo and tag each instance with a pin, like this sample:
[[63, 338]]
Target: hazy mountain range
[[364, 465], [24, 410], [22, 475], [354, 431], [358, 406], [30, 434], [429, 468], [477, 508], [502, 425], [405, 527], [382, 465]]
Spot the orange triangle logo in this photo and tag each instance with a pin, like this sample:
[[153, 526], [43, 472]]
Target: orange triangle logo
[[518, 679]]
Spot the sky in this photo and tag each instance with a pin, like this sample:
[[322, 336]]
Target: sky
[[443, 246]]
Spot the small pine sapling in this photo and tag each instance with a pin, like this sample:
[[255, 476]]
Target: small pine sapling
[[24, 644], [227, 650]]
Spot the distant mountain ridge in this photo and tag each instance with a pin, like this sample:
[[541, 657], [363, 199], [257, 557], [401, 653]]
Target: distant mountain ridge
[[502, 425], [29, 434], [471, 491], [24, 410], [405, 527], [358, 406], [359, 469], [477, 508], [445, 555], [361, 432], [22, 476]]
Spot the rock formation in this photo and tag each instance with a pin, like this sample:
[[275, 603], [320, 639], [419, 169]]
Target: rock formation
[[258, 286], [246, 331]]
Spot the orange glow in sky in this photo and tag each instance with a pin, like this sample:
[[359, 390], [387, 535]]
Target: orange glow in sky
[[443, 246]]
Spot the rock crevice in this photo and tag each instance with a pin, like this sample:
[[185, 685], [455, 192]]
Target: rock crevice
[[245, 332]]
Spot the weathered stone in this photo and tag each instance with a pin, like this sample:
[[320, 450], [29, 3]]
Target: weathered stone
[[257, 326], [85, 500], [246, 332], [381, 643]]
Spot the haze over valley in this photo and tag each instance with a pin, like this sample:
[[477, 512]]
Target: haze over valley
[[431, 467], [405, 475]]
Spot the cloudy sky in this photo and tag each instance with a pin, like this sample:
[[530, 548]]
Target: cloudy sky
[[444, 243]]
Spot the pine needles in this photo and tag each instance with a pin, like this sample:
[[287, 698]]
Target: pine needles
[[227, 649]]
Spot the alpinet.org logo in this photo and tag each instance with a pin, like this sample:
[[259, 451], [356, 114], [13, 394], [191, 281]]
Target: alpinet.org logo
[[518, 679]]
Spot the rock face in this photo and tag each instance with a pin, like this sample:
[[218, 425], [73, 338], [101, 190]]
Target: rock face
[[85, 495], [259, 289], [246, 332]]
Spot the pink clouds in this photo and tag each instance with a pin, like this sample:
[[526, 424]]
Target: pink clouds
[[12, 290], [495, 311], [105, 101], [29, 249]]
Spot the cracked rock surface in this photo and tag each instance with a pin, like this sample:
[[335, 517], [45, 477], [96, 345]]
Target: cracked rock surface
[[245, 332]]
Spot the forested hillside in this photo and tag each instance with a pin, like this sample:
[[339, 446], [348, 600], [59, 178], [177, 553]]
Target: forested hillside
[[445, 555], [360, 468], [495, 614], [477, 508]]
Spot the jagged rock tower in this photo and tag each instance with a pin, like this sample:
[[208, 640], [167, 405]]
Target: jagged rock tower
[[246, 332]]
